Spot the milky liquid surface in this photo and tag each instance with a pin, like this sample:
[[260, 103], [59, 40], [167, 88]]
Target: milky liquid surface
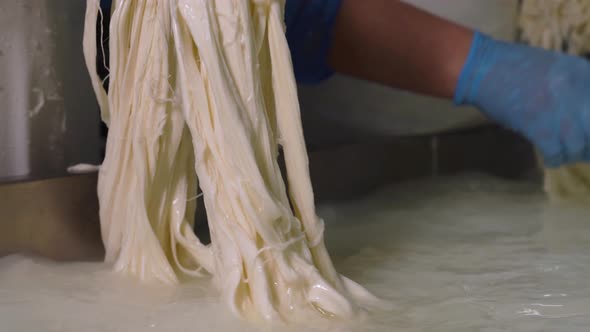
[[463, 254]]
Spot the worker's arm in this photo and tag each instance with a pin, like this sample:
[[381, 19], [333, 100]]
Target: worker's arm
[[384, 41], [543, 95], [396, 44]]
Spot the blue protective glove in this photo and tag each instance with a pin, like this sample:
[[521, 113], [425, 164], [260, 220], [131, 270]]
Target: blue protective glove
[[544, 96], [310, 25]]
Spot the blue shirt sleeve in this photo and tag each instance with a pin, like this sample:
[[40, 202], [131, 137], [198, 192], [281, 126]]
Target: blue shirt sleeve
[[310, 27], [105, 5]]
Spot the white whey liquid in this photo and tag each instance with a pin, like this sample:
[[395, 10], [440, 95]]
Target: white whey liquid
[[463, 254]]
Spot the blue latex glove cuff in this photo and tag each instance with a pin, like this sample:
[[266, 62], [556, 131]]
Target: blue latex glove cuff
[[310, 25], [469, 79]]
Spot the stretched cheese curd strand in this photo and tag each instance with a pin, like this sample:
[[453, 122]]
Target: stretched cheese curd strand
[[144, 172], [550, 24], [254, 214], [209, 85]]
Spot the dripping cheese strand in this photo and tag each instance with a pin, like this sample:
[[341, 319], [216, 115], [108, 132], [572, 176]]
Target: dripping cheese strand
[[207, 88]]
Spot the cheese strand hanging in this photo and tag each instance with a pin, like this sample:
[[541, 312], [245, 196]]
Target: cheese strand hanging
[[206, 88]]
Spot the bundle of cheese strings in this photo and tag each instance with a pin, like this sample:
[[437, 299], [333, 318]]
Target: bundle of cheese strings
[[204, 89], [563, 26], [559, 25]]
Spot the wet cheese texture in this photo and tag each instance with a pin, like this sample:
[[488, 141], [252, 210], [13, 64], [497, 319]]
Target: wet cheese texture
[[204, 89], [553, 24]]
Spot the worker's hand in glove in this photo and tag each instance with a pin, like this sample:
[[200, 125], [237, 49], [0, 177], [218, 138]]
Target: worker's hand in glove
[[543, 95]]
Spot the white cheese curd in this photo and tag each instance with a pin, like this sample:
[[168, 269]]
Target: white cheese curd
[[205, 90]]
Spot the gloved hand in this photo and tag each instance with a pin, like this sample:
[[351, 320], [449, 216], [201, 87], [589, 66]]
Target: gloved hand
[[545, 96], [310, 26]]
